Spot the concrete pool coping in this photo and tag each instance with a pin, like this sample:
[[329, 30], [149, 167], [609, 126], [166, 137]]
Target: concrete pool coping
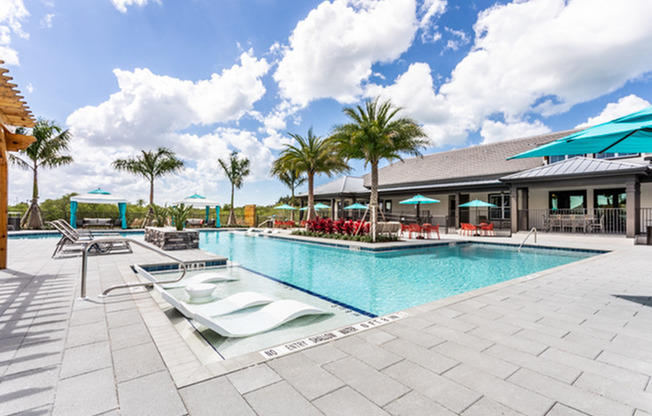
[[375, 352]]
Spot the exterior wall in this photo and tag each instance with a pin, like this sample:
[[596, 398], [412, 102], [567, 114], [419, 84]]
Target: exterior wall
[[646, 195]]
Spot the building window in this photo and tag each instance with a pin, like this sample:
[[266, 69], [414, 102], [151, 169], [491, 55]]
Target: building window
[[388, 205], [614, 155], [573, 200], [610, 198], [555, 159], [502, 212]]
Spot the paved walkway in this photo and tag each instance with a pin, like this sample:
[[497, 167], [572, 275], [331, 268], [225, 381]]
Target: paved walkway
[[576, 340]]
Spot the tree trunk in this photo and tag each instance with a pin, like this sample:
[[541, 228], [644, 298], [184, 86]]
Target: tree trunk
[[311, 197], [292, 203], [373, 202], [33, 218], [232, 220]]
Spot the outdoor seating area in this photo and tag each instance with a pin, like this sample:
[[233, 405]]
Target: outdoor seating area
[[574, 223], [73, 242], [97, 223]]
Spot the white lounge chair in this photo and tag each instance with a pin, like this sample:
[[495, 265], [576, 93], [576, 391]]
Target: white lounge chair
[[206, 277], [269, 317], [229, 304]]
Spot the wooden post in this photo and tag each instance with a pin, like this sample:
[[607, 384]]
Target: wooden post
[[250, 215], [3, 199]]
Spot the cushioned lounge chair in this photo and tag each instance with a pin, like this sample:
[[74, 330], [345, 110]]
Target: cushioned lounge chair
[[73, 242], [269, 317], [225, 306]]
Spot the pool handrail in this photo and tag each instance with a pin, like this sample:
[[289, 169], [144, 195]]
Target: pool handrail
[[90, 244], [533, 230]]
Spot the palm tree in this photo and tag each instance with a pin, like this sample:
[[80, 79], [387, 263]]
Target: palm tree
[[311, 155], [235, 170], [46, 152], [292, 179], [375, 134], [151, 165]]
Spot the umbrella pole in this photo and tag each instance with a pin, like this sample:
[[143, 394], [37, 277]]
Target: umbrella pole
[[362, 221]]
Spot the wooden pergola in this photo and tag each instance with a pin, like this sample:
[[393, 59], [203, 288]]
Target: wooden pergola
[[13, 112]]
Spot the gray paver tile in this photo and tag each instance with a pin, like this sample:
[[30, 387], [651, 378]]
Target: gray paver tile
[[123, 318], [89, 393], [442, 390], [307, 377], [253, 378], [324, 354], [486, 407], [501, 391], [571, 396], [129, 335], [413, 335], [154, 395], [136, 361], [414, 404], [459, 337], [371, 354], [36, 355], [584, 364], [374, 385], [87, 334], [562, 410], [214, 397], [23, 391], [547, 367], [280, 399], [488, 364], [426, 358], [376, 336], [642, 366], [345, 402], [615, 391], [85, 358]]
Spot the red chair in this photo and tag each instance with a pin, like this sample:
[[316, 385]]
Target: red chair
[[487, 229], [415, 228], [467, 229], [428, 228], [404, 229]]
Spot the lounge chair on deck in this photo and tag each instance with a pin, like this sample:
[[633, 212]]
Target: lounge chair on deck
[[228, 305], [269, 317], [74, 242]]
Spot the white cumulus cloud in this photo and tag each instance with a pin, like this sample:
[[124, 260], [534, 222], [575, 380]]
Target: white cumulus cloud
[[497, 131], [121, 5], [530, 59], [149, 105], [332, 50], [622, 107], [12, 15]]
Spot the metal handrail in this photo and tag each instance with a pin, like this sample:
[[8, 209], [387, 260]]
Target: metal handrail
[[98, 241], [533, 230]]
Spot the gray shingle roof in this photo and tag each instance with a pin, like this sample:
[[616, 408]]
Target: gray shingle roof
[[577, 166], [339, 186], [483, 161]]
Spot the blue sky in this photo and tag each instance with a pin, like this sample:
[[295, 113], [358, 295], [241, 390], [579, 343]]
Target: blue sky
[[206, 77]]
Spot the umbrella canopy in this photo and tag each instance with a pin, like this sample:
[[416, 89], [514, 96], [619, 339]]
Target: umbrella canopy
[[99, 191], [629, 134], [199, 201], [318, 206], [356, 206], [419, 199], [285, 206], [477, 203]]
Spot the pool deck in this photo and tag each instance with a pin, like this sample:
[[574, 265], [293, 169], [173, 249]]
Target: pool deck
[[574, 340]]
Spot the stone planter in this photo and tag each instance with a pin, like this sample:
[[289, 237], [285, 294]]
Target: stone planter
[[168, 238]]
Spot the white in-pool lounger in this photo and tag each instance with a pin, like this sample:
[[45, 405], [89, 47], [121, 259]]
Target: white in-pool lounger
[[269, 317], [206, 277], [230, 304]]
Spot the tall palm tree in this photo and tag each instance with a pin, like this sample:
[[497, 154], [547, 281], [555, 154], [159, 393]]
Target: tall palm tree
[[375, 133], [46, 152], [236, 170], [292, 179], [151, 165], [311, 155]]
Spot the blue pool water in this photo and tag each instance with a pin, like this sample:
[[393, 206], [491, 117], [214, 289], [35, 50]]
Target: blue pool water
[[384, 282]]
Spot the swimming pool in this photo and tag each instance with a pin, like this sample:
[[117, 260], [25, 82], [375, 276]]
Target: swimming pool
[[384, 282]]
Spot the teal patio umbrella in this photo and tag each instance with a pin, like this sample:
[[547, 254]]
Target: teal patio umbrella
[[318, 206], [285, 207], [199, 201], [476, 203], [356, 206], [629, 134], [418, 200]]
